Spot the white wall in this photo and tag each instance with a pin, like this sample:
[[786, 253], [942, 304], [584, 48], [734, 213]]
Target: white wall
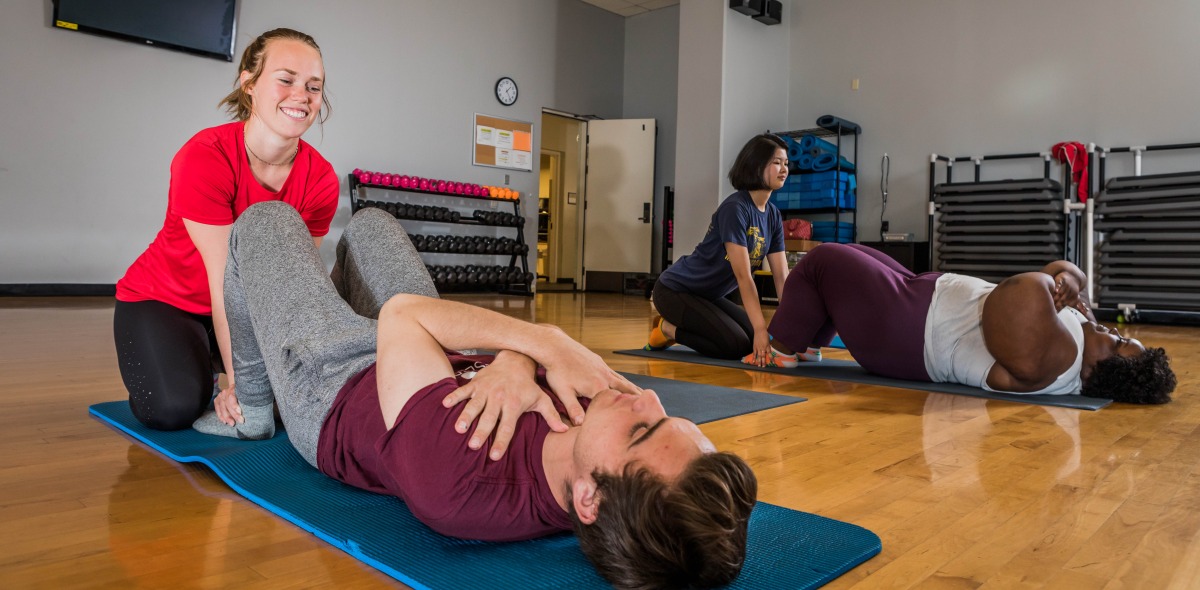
[[698, 133], [756, 86], [651, 91], [733, 84], [977, 77], [90, 124]]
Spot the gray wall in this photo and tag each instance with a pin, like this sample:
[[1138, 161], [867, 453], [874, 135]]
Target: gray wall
[[978, 77], [651, 80], [733, 84], [90, 124], [698, 136], [756, 86]]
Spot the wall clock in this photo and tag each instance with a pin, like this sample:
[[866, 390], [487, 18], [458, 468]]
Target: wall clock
[[506, 91]]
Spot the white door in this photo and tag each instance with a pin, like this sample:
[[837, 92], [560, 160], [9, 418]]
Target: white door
[[619, 196]]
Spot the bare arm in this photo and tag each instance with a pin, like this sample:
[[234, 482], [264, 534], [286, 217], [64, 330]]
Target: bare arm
[[1069, 287], [1022, 332], [739, 259], [779, 271], [414, 330], [212, 241], [499, 394]]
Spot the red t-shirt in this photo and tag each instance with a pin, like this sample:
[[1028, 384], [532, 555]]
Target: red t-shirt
[[454, 490], [211, 183]]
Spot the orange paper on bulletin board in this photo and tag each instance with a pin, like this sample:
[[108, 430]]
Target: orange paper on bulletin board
[[502, 143]]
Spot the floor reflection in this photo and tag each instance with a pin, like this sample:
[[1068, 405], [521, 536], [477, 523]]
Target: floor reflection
[[145, 524], [959, 436]]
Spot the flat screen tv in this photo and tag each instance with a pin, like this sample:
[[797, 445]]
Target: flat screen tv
[[200, 27]]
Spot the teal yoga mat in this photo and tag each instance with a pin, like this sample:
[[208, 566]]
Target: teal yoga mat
[[787, 548], [843, 370]]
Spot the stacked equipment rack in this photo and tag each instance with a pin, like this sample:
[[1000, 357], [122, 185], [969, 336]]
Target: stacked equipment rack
[[995, 229], [1143, 249]]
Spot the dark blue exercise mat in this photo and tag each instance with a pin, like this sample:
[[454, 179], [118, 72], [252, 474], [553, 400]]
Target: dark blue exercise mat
[[787, 548], [702, 403], [850, 371]]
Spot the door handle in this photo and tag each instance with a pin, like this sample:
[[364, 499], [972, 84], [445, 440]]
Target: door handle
[[645, 218]]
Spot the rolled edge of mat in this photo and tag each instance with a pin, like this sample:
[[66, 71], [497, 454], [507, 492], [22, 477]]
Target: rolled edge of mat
[[831, 123]]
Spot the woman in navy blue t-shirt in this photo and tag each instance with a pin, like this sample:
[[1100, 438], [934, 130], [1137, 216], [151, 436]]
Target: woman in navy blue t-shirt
[[691, 294]]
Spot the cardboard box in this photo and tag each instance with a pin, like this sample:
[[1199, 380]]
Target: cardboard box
[[799, 245]]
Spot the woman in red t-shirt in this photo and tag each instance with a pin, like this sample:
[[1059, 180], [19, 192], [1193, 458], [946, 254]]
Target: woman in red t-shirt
[[169, 323]]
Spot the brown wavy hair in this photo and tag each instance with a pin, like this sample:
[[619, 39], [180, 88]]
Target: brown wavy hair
[[649, 534], [238, 103]]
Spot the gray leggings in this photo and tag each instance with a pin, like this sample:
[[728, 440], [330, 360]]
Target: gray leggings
[[297, 334]]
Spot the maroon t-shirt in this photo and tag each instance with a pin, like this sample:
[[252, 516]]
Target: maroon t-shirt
[[453, 489]]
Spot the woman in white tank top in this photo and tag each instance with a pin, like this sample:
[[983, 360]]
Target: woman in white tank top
[[1035, 333], [1032, 333]]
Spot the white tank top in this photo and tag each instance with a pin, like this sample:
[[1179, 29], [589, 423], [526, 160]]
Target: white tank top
[[954, 348]]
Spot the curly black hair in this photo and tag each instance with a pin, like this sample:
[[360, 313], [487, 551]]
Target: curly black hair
[[1143, 379]]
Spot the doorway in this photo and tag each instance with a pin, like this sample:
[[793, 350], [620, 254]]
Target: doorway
[[549, 210], [560, 203], [602, 185]]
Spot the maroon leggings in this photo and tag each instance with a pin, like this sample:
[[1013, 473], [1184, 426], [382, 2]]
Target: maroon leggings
[[861, 294]]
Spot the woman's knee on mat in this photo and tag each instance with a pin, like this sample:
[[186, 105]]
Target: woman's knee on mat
[[169, 407]]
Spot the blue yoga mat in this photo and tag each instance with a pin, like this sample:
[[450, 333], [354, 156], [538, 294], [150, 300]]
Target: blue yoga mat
[[850, 371], [832, 123], [817, 146], [827, 161], [787, 548], [702, 403]]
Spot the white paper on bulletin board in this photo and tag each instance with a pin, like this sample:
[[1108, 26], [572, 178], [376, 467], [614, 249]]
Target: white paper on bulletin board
[[502, 143]]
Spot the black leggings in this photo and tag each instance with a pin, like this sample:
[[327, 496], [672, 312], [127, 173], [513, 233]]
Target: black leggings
[[717, 328], [167, 358]]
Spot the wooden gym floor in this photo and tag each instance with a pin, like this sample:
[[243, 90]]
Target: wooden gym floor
[[965, 493]]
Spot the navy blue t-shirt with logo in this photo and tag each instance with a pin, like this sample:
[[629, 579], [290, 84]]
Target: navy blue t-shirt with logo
[[706, 271]]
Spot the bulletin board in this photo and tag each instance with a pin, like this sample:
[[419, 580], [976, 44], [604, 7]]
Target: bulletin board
[[502, 143]]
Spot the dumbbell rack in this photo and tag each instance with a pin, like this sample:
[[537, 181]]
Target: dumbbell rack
[[511, 279]]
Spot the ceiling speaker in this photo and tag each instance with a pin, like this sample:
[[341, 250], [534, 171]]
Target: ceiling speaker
[[771, 12]]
